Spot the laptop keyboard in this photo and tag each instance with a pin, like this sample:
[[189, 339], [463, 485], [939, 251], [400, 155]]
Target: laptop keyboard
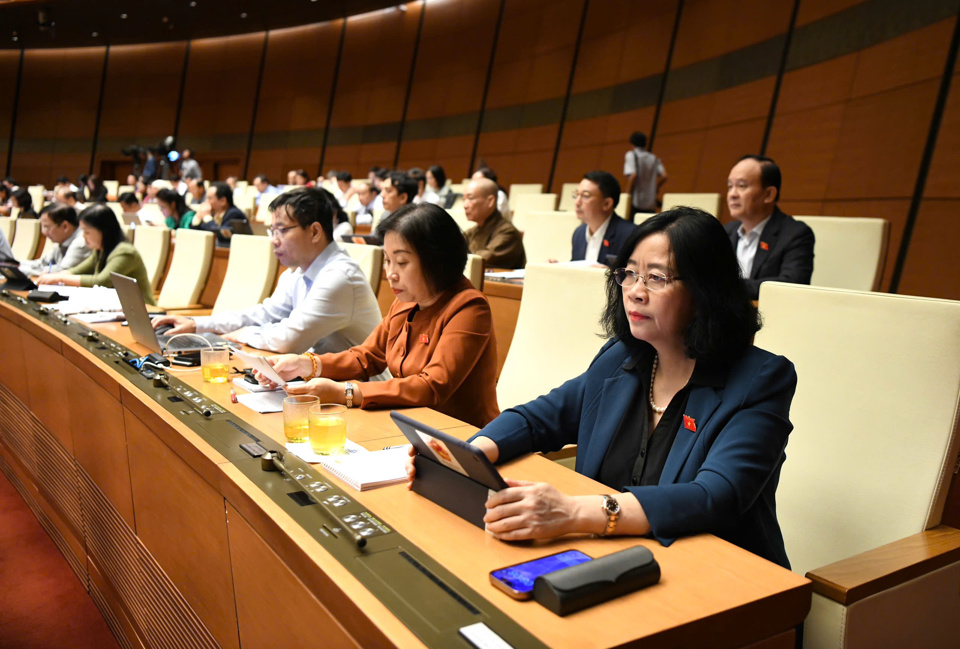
[[177, 343]]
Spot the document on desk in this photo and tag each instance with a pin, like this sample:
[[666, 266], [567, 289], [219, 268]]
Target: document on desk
[[260, 364], [261, 399], [357, 467], [506, 274], [87, 300]]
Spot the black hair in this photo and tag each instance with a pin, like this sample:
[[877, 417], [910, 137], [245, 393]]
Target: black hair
[[128, 198], [24, 201], [488, 173], [10, 180], [638, 139], [769, 172], [417, 174], [344, 176], [262, 177], [302, 173], [373, 188], [724, 320], [5, 191], [102, 218], [223, 191], [60, 212], [174, 199], [439, 175], [62, 179], [608, 184], [308, 205], [382, 173], [404, 184], [435, 237]]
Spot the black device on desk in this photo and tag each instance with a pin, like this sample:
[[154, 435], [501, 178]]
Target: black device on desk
[[453, 474], [16, 280]]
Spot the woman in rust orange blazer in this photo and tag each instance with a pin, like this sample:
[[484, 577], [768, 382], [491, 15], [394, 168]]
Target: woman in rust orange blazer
[[437, 339]]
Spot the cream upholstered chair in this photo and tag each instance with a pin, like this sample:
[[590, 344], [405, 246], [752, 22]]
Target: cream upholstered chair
[[36, 194], [189, 269], [527, 203], [370, 260], [849, 251], [251, 270], [153, 244], [869, 463], [112, 187], [117, 209], [7, 226], [523, 188], [623, 206], [542, 354], [548, 235], [567, 200], [709, 203], [474, 270], [461, 218], [26, 239], [150, 214], [123, 189]]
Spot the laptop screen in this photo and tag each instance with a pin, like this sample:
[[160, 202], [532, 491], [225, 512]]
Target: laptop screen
[[135, 310]]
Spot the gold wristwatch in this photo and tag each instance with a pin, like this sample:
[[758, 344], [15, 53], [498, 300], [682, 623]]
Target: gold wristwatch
[[612, 509], [348, 389]]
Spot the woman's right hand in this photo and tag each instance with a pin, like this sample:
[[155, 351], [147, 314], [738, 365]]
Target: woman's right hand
[[288, 366]]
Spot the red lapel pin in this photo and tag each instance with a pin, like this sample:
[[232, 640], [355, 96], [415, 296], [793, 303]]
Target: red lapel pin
[[689, 423], [606, 243], [424, 339], [764, 245]]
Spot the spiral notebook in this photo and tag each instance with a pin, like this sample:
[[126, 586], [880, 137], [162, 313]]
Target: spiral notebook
[[359, 468]]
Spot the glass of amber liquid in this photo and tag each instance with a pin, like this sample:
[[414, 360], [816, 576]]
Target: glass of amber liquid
[[214, 362], [328, 428], [296, 417]]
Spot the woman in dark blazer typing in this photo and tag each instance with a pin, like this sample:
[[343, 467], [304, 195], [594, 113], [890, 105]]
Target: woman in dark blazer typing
[[679, 414]]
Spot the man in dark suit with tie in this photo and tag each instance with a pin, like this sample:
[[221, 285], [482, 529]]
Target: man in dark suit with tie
[[770, 245], [602, 232]]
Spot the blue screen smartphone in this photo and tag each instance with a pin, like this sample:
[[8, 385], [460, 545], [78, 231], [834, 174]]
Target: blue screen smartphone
[[517, 580]]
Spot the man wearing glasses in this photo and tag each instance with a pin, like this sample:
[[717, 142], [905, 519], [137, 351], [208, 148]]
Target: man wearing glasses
[[322, 301], [602, 233]]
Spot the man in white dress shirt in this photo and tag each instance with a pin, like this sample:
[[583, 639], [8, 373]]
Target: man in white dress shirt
[[322, 302], [60, 224]]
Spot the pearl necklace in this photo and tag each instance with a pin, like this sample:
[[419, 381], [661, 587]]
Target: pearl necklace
[[653, 375]]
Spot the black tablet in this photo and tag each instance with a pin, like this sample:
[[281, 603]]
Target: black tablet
[[449, 451], [16, 280]]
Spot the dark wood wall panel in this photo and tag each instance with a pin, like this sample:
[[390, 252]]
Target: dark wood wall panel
[[9, 64], [374, 73], [448, 83], [294, 99], [57, 114], [531, 73], [616, 84], [139, 102], [218, 102]]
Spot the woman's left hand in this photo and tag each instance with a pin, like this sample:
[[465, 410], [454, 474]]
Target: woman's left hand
[[530, 510], [328, 390]]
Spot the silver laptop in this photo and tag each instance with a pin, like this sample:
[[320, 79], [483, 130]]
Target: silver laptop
[[135, 310]]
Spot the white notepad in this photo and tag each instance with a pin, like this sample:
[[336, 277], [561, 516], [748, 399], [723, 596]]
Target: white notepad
[[357, 467]]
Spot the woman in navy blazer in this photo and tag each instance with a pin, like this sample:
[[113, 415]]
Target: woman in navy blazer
[[678, 411]]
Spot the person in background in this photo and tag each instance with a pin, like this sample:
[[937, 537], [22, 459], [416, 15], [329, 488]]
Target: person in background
[[96, 190], [645, 176], [231, 182], [111, 253], [344, 189], [420, 177], [21, 199], [437, 183], [225, 219], [450, 363], [175, 211], [189, 167], [399, 189], [11, 184], [322, 301], [131, 180], [140, 188], [503, 205], [64, 181], [59, 223], [131, 207], [341, 223], [196, 193], [370, 201], [679, 415], [6, 252], [495, 239], [68, 197], [602, 232], [83, 189], [302, 179], [151, 168], [291, 178], [264, 188], [5, 200]]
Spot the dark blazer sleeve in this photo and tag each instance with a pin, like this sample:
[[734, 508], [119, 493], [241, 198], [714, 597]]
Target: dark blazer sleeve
[[578, 244], [790, 255]]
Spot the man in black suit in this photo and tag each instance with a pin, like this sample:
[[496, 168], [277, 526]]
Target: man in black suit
[[225, 219], [770, 245], [602, 232]]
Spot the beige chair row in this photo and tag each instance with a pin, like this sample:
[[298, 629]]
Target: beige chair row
[[23, 235]]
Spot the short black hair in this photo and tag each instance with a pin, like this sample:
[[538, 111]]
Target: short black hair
[[223, 190], [488, 173], [308, 205], [302, 173], [381, 172], [60, 212], [262, 177], [24, 200], [129, 198], [9, 179], [417, 174], [102, 218], [439, 174], [404, 184], [435, 237], [725, 320], [344, 176], [62, 179], [638, 139], [608, 184], [769, 172]]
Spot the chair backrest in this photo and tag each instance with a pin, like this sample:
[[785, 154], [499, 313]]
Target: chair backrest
[[523, 188], [251, 270], [244, 202], [623, 206], [36, 193], [566, 196], [849, 252], [123, 189], [542, 354], [709, 203], [263, 211], [461, 218], [112, 186], [474, 270], [26, 239], [370, 260], [7, 225], [150, 214], [875, 416], [153, 244], [547, 235], [526, 203], [117, 209], [189, 269]]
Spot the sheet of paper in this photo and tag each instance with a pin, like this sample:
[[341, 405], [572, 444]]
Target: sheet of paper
[[260, 364], [263, 402], [103, 316]]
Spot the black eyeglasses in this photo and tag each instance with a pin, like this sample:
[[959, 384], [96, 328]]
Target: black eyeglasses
[[653, 281], [278, 233]]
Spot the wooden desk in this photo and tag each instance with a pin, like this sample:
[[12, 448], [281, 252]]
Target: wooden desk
[[180, 548]]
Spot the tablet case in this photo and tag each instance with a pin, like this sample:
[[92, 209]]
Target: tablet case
[[578, 587], [451, 490]]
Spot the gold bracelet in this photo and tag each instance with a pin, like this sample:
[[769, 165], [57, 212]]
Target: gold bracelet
[[313, 359]]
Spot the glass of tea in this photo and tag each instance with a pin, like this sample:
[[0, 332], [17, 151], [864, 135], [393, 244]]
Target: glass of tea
[[296, 417], [214, 362], [328, 428]]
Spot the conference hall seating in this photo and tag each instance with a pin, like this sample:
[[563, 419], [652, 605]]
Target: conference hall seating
[[251, 273], [370, 260], [547, 235], [153, 244], [849, 251], [708, 202], [26, 239], [188, 271]]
